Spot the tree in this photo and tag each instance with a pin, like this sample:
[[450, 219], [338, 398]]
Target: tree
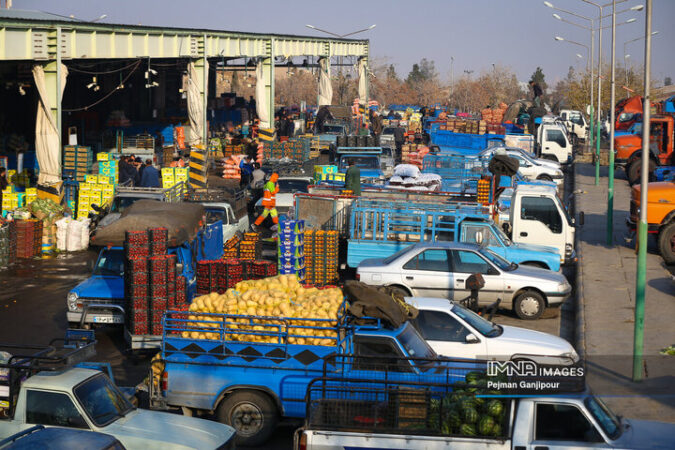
[[539, 77], [391, 73], [424, 71], [668, 81]]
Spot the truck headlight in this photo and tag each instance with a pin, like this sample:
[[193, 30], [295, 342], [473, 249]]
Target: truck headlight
[[71, 300]]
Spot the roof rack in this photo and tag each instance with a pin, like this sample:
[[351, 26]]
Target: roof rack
[[60, 353]]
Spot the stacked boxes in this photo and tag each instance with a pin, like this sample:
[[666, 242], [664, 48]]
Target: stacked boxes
[[198, 168], [230, 272], [295, 149], [321, 173], [107, 168], [5, 244], [162, 289], [28, 238], [483, 195], [77, 159], [136, 281], [223, 274], [231, 247], [291, 249], [249, 248], [321, 257], [96, 190], [173, 175], [10, 199], [207, 277]]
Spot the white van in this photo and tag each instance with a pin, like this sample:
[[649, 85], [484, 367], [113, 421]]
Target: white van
[[553, 143]]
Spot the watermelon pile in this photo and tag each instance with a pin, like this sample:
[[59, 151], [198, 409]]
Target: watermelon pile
[[462, 413]]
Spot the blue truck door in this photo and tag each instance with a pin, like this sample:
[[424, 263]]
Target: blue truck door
[[469, 233], [210, 242]]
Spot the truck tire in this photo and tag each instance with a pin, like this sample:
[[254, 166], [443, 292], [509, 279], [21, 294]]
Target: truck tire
[[667, 243], [529, 305], [252, 414], [544, 178], [550, 157], [634, 171]]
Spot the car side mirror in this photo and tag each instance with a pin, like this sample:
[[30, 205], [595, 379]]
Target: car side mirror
[[471, 339]]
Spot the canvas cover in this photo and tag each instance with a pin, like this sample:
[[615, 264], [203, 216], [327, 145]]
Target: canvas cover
[[183, 220]]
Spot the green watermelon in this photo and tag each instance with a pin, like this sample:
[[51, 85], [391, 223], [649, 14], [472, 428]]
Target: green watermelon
[[470, 415], [468, 403], [454, 420], [467, 430], [473, 376], [495, 408], [486, 425], [446, 429], [497, 430], [479, 401]]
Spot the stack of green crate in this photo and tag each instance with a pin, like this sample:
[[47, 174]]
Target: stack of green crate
[[77, 159]]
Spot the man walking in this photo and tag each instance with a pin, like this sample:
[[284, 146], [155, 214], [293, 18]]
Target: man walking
[[353, 179], [269, 203]]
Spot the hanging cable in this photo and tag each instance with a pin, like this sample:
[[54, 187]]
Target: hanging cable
[[75, 69], [117, 88]]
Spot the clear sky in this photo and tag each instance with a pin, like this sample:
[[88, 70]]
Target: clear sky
[[477, 33]]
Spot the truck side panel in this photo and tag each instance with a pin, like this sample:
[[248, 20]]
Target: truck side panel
[[340, 440]]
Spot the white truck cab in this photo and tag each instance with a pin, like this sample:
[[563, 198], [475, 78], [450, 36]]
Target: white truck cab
[[537, 215], [576, 125], [553, 142]]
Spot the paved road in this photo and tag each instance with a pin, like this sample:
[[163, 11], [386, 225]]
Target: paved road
[[608, 275]]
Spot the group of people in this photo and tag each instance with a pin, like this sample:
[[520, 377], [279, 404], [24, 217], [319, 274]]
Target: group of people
[[132, 170]]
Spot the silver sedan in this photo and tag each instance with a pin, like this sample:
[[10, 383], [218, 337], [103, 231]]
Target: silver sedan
[[441, 269]]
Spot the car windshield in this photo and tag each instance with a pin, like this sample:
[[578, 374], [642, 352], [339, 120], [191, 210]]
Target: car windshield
[[401, 252], [102, 401], [414, 344], [500, 233], [111, 262], [214, 215], [362, 162], [565, 212], [609, 422], [484, 327], [497, 260], [290, 186]]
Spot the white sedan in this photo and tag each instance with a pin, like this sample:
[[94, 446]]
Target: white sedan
[[530, 168], [457, 332]]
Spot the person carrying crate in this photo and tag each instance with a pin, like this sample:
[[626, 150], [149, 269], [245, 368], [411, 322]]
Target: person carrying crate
[[269, 203]]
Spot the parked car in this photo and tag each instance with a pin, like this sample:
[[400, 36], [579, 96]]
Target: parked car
[[454, 331], [440, 269], [530, 168]]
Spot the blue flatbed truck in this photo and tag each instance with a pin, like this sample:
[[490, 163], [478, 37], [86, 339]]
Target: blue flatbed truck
[[251, 384], [379, 228]]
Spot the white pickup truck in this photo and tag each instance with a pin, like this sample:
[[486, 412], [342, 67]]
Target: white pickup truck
[[223, 211], [53, 393], [578, 421]]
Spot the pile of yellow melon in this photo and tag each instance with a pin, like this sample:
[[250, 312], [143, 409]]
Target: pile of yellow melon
[[279, 296]]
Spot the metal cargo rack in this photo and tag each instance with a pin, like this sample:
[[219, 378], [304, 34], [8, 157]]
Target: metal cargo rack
[[235, 197]]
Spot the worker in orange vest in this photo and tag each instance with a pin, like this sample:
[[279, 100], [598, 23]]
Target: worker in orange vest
[[269, 202]]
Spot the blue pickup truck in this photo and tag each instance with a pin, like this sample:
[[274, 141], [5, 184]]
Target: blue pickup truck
[[100, 299], [465, 143], [251, 384], [380, 228]]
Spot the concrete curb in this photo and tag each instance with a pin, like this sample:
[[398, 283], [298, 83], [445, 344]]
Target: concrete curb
[[580, 320]]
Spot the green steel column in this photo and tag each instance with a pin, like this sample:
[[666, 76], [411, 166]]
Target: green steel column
[[610, 169], [597, 152], [590, 132], [640, 281]]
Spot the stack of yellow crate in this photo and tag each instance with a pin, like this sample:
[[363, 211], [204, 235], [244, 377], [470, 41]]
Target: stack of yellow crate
[[10, 199], [173, 175], [107, 166], [31, 195], [97, 190]]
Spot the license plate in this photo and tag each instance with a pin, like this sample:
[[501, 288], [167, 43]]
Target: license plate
[[108, 319]]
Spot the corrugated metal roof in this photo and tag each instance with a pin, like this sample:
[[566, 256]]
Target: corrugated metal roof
[[33, 15]]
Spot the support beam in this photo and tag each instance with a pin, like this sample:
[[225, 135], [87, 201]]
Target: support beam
[[268, 82]]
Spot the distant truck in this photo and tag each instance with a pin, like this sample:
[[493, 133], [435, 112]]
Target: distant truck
[[367, 159], [44, 388], [576, 124], [553, 143], [335, 420], [628, 149]]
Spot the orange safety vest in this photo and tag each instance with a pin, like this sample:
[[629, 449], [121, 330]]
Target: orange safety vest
[[269, 198]]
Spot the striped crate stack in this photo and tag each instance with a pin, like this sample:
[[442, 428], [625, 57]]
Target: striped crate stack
[[291, 249], [10, 199], [28, 238], [207, 276], [107, 167], [77, 159], [249, 247], [96, 190], [231, 247], [198, 168], [162, 291], [321, 257], [136, 281]]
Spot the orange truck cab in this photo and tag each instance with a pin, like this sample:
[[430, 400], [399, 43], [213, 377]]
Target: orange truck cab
[[628, 148], [627, 112], [660, 215]]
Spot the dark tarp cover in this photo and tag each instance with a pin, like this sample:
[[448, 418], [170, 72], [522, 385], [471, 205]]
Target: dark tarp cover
[[380, 303], [183, 221], [503, 165]]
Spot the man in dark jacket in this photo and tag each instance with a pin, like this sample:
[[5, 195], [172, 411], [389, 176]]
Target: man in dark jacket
[[353, 178], [150, 176], [3, 183], [399, 139], [322, 116]]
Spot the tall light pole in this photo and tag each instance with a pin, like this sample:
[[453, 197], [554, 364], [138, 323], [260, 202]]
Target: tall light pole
[[640, 276], [590, 62], [452, 76], [612, 113], [626, 55]]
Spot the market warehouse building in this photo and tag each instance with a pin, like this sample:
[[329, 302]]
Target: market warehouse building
[[58, 72]]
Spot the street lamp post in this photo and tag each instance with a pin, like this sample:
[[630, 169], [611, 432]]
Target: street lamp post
[[626, 55], [612, 113], [640, 276]]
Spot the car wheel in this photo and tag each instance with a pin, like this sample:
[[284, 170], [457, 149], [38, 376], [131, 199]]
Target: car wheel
[[252, 414], [529, 305], [634, 172], [550, 157], [667, 243], [545, 178], [399, 291]]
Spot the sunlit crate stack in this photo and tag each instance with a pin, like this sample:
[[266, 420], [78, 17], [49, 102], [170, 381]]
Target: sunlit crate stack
[[323, 173], [96, 190], [11, 199], [77, 159], [173, 175], [107, 167], [291, 248]]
